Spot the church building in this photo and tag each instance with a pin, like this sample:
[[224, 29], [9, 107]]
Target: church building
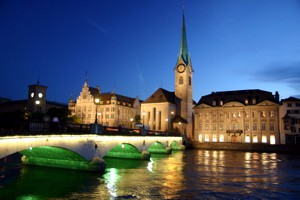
[[168, 111]]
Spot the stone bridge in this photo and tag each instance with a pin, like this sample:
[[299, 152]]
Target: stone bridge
[[83, 152]]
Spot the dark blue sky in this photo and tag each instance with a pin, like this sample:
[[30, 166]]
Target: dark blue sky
[[131, 46]]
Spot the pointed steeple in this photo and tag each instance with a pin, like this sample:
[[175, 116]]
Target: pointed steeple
[[184, 54]]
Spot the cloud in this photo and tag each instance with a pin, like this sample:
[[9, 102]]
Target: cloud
[[97, 26], [288, 73]]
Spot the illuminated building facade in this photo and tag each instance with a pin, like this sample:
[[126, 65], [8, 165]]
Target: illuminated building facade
[[170, 111], [290, 121], [245, 116], [113, 109]]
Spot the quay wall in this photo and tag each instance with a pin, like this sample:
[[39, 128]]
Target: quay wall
[[247, 147]]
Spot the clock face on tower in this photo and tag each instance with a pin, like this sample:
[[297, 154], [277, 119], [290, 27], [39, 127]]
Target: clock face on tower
[[40, 95], [180, 68]]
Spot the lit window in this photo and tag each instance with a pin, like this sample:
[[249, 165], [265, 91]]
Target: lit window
[[200, 138], [221, 103], [214, 138], [264, 139], [206, 138], [272, 139], [255, 139], [247, 139], [221, 138], [246, 101]]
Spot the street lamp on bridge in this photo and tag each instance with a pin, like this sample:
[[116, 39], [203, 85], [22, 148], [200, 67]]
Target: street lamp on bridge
[[97, 102]]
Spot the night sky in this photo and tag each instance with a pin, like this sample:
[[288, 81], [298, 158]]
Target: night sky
[[131, 46]]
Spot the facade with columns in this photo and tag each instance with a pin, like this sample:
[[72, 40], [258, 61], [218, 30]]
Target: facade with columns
[[173, 111], [246, 116], [112, 110]]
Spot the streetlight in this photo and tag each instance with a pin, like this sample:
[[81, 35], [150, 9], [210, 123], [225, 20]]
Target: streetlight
[[172, 113], [131, 120], [96, 101], [179, 123]]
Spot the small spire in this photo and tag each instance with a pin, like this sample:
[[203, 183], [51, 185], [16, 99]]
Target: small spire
[[38, 79], [86, 75], [183, 42]]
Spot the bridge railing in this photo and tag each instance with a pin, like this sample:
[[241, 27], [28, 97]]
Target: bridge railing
[[40, 128]]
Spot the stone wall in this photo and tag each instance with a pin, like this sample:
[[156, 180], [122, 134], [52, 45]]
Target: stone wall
[[247, 147]]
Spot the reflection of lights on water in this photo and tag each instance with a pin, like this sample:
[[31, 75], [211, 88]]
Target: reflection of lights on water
[[111, 178], [29, 197], [150, 165]]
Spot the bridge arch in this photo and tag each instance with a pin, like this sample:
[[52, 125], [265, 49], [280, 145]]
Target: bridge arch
[[127, 150]]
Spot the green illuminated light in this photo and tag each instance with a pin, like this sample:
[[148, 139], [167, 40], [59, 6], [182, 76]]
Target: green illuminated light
[[158, 147], [60, 158], [128, 151], [176, 146]]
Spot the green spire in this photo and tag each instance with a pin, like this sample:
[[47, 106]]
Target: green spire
[[184, 54]]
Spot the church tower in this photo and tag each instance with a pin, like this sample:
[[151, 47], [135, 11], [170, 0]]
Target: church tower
[[184, 81], [37, 98]]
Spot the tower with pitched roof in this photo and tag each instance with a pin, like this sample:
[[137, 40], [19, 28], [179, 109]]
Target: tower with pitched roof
[[184, 80], [173, 111]]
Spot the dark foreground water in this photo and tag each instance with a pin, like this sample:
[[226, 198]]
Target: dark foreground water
[[193, 174]]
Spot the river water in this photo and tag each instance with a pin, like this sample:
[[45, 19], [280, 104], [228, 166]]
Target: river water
[[192, 174]]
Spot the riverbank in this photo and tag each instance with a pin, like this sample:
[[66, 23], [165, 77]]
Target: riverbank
[[247, 147]]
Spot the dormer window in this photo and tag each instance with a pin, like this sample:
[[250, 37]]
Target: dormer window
[[254, 101], [246, 101], [221, 103], [214, 102]]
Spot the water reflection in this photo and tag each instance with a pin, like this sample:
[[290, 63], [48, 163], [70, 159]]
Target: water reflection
[[192, 174], [43, 183]]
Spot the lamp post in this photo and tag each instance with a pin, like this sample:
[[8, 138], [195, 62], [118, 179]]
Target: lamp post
[[172, 113], [96, 101], [131, 120], [179, 124]]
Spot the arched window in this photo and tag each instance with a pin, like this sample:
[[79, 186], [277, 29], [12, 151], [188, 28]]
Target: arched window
[[180, 80], [190, 80]]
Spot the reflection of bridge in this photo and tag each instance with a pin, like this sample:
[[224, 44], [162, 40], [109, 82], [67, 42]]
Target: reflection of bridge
[[75, 151]]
